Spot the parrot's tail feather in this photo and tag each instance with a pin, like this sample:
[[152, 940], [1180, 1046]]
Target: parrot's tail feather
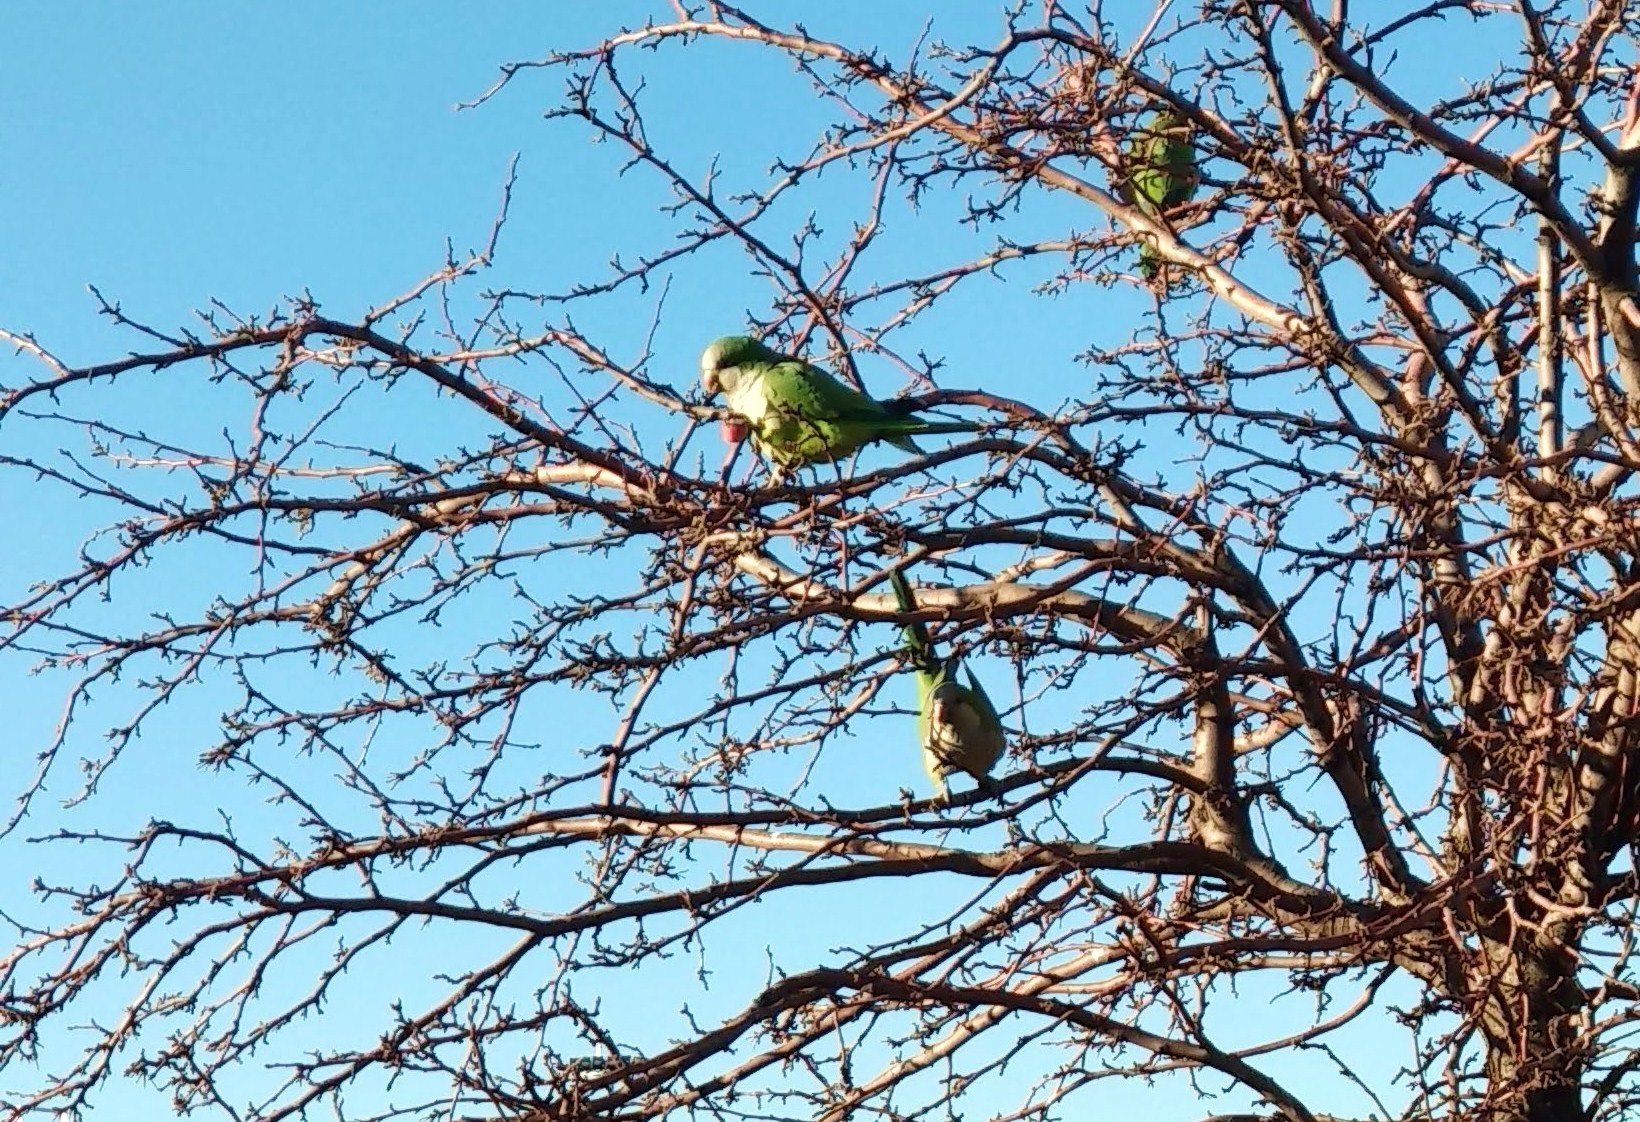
[[1149, 262], [939, 428], [916, 635], [906, 443], [902, 591]]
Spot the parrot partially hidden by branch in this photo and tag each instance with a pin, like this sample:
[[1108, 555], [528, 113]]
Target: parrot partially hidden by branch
[[957, 724], [796, 413], [1161, 167]]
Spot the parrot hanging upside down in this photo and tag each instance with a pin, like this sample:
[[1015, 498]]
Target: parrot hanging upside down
[[957, 724], [796, 413], [1161, 163]]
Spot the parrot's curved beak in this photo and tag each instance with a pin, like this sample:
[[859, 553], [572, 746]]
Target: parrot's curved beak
[[733, 430]]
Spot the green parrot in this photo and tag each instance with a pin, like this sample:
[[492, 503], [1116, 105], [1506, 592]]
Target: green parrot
[[796, 413], [957, 724], [1161, 163]]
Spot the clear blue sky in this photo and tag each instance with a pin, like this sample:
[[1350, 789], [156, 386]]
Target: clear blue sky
[[175, 153]]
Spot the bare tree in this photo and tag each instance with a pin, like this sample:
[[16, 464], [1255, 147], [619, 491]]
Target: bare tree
[[1319, 579]]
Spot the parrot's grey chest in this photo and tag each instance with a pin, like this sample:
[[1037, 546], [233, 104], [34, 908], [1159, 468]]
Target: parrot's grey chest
[[750, 397]]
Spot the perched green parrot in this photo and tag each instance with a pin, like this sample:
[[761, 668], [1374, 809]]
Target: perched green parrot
[[958, 725], [1161, 163], [798, 414]]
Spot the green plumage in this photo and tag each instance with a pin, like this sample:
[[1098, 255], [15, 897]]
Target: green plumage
[[957, 725], [1161, 162], [796, 412]]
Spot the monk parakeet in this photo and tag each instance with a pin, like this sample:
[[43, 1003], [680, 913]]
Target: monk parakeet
[[798, 414], [957, 724], [1161, 164]]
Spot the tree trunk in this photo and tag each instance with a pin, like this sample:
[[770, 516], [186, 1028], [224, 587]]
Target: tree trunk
[[1536, 1055]]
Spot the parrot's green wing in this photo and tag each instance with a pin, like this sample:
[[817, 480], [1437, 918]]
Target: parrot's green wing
[[818, 393], [819, 417], [983, 700]]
